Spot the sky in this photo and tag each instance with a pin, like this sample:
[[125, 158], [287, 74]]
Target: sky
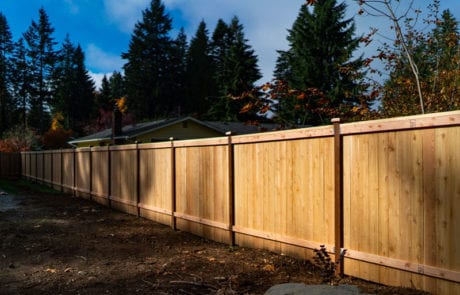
[[103, 28]]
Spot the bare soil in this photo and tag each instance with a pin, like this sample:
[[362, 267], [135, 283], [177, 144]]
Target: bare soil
[[53, 243]]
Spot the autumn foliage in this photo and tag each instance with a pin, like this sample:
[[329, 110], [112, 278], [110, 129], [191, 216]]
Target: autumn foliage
[[276, 99], [18, 139], [56, 137]]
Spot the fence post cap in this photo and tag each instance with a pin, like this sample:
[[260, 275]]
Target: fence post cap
[[228, 133], [335, 120]]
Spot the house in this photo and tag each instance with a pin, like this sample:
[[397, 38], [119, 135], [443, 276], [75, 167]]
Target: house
[[163, 130]]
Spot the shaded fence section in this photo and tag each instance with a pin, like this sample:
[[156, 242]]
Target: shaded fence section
[[10, 165], [383, 196]]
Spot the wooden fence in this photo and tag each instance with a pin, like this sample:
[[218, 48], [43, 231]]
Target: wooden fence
[[383, 195], [10, 165]]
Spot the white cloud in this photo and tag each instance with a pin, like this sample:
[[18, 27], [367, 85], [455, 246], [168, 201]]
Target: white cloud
[[73, 7], [125, 13], [265, 23], [103, 61], [97, 78]]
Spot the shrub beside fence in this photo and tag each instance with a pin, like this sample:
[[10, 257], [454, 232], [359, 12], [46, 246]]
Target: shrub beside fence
[[385, 194]]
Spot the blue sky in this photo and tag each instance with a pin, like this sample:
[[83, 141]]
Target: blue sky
[[103, 27]]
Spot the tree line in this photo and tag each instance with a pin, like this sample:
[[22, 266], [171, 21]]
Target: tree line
[[46, 87]]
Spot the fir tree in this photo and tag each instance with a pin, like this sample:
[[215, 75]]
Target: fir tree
[[21, 81], [321, 45], [42, 57], [220, 47], [148, 66], [176, 75], [84, 91], [6, 49], [104, 96], [199, 72], [236, 70], [74, 88], [116, 86]]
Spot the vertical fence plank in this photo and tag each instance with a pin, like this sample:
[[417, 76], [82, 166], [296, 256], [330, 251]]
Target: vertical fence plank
[[231, 191], [338, 197], [173, 185], [138, 180]]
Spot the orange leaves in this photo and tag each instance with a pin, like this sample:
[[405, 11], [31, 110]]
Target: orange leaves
[[246, 108], [121, 104], [310, 2]]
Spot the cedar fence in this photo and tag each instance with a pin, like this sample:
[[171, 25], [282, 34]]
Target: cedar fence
[[382, 195], [10, 165]]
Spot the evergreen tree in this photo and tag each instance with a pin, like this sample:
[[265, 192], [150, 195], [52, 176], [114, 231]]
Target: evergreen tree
[[241, 62], [176, 75], [104, 96], [6, 49], [42, 57], [84, 91], [148, 63], [21, 81], [74, 88], [220, 47], [200, 84], [64, 83], [116, 86], [236, 70], [321, 45]]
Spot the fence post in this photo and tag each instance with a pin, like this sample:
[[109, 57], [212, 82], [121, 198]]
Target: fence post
[[74, 181], [43, 167], [62, 171], [138, 179], [173, 184], [338, 197], [29, 170], [231, 191], [90, 174], [109, 177], [52, 170], [36, 166]]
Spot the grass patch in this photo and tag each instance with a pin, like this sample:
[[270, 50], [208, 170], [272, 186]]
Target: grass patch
[[16, 186]]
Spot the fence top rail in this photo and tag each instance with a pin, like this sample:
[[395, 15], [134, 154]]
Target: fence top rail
[[155, 145], [402, 123], [201, 142], [301, 133]]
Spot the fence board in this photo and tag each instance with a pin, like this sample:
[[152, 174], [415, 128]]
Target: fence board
[[100, 174], [10, 164], [156, 184], [281, 173], [68, 169], [123, 179], [202, 188], [389, 194]]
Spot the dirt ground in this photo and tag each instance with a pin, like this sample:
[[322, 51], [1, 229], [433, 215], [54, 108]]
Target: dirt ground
[[53, 243]]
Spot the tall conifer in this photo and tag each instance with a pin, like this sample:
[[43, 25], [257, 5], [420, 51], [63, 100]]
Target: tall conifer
[[148, 62], [320, 54], [200, 84], [42, 56], [6, 49]]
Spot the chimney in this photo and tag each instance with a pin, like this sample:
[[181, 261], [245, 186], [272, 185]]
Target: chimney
[[116, 125]]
